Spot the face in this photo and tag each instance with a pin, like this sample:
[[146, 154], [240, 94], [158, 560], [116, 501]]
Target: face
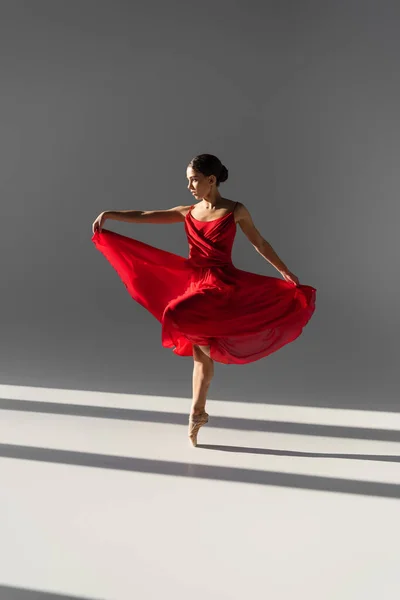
[[198, 184]]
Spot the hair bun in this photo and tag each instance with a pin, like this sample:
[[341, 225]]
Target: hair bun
[[224, 174]]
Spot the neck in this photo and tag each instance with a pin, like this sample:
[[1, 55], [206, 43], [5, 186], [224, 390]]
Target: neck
[[212, 199]]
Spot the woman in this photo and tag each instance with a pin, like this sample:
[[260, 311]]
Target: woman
[[208, 308]]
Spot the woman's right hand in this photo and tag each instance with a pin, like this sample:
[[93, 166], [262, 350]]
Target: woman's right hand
[[99, 222]]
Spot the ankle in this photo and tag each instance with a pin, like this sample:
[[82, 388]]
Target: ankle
[[197, 412]]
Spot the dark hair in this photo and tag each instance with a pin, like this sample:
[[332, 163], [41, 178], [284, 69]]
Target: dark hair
[[208, 164]]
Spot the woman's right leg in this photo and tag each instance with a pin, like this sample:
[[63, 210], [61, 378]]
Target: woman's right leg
[[203, 371]]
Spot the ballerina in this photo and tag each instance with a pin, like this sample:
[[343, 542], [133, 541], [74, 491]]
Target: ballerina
[[208, 309]]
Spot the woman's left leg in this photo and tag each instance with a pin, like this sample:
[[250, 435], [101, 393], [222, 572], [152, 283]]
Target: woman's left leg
[[203, 371]]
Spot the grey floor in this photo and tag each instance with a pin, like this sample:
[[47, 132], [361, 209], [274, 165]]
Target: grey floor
[[102, 497]]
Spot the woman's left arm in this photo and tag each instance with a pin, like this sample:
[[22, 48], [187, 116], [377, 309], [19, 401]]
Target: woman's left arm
[[245, 221]]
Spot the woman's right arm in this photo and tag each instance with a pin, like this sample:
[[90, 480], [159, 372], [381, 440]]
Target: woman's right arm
[[171, 215]]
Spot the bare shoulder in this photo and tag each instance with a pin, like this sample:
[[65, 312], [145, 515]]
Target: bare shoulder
[[180, 211], [243, 217], [175, 214], [183, 209], [242, 213]]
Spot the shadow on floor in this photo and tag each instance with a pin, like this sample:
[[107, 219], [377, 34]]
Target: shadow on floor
[[191, 470], [14, 593], [270, 452], [167, 418]]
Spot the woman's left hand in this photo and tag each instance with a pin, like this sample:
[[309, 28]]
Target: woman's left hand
[[290, 277]]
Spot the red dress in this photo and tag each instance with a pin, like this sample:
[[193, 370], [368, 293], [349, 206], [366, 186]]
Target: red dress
[[204, 299]]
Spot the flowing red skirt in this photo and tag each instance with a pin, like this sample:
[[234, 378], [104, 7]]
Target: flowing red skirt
[[242, 316]]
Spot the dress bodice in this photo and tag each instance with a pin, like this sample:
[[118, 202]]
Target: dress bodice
[[210, 242]]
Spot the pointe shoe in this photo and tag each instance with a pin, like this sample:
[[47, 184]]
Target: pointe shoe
[[195, 422]]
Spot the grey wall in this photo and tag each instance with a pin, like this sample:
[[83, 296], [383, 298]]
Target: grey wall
[[102, 106]]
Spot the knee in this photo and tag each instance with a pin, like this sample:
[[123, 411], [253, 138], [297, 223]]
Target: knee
[[203, 364], [203, 373]]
